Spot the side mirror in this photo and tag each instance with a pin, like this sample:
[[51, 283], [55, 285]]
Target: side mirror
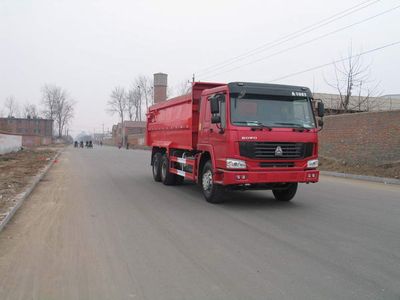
[[320, 109], [215, 119], [214, 101]]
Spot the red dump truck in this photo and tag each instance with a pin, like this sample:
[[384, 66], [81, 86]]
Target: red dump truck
[[236, 136]]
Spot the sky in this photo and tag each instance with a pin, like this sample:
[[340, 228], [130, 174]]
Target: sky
[[89, 47]]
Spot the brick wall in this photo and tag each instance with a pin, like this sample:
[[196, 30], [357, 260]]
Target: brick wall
[[39, 127], [31, 140], [370, 138]]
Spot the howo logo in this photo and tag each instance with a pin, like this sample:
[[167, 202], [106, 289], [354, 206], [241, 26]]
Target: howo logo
[[249, 137], [278, 151]]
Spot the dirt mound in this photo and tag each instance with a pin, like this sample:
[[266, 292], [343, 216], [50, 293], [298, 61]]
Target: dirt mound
[[389, 170]]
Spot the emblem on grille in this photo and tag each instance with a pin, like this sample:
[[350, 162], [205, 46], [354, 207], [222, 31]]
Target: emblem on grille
[[278, 151]]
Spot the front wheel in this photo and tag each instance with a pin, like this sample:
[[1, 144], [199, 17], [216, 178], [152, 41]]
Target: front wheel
[[211, 191], [286, 194]]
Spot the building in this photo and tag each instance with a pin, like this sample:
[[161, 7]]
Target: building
[[34, 131], [133, 131], [359, 103], [160, 82]]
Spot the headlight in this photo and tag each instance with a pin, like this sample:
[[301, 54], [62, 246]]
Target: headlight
[[235, 164], [312, 163]]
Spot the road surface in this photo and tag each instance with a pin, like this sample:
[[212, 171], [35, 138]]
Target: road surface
[[98, 227]]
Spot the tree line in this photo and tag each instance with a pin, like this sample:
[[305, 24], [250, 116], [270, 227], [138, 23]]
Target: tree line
[[133, 102], [55, 104]]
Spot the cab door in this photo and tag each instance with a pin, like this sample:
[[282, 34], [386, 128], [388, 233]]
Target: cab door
[[217, 133], [205, 120]]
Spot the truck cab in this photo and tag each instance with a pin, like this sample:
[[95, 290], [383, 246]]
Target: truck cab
[[261, 135]]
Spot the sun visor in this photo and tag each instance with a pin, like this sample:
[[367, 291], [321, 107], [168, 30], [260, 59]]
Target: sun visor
[[269, 89]]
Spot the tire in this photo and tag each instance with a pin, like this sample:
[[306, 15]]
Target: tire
[[179, 179], [212, 192], [286, 194], [166, 177], [156, 167]]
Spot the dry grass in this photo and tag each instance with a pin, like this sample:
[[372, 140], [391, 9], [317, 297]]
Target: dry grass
[[17, 169]]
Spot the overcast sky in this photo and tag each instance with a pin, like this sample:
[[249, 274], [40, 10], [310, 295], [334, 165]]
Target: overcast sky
[[90, 46]]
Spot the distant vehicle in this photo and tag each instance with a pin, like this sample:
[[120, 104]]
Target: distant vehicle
[[76, 144], [236, 136], [81, 144]]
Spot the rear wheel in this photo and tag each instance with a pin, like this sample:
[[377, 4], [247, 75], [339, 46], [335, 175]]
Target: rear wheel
[[167, 177], [286, 194], [157, 166], [211, 191]]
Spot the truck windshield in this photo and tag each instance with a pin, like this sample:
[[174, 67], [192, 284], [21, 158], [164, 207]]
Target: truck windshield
[[273, 111]]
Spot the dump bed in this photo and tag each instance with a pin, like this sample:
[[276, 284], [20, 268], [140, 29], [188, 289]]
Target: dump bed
[[174, 123]]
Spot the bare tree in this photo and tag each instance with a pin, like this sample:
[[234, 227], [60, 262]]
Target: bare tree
[[64, 114], [50, 96], [11, 106], [118, 105], [58, 106], [145, 90], [30, 111], [134, 104], [353, 84], [183, 88], [130, 106]]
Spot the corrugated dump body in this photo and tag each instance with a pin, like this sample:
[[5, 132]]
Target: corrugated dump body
[[175, 122]]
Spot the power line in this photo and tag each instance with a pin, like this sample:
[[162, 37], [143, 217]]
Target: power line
[[308, 41], [336, 61], [290, 36]]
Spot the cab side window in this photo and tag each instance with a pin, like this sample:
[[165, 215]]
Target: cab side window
[[222, 111], [207, 113]]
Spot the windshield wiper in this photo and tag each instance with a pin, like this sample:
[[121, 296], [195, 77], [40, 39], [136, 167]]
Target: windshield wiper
[[254, 124], [294, 124]]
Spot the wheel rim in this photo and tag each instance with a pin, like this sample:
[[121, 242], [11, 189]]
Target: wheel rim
[[155, 167], [164, 169], [207, 181]]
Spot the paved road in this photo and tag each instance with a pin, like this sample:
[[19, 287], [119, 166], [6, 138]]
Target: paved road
[[98, 227]]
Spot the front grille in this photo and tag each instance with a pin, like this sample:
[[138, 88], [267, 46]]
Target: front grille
[[275, 150], [276, 164]]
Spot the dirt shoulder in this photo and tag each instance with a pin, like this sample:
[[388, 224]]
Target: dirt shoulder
[[18, 169], [387, 170]]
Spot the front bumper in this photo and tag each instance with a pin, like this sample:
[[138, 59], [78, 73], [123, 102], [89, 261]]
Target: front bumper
[[226, 177]]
